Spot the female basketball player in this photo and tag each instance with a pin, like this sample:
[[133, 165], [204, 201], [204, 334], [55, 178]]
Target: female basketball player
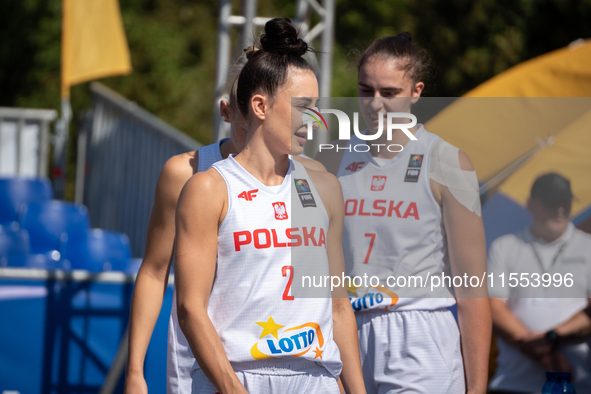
[[245, 330], [152, 279], [411, 212]]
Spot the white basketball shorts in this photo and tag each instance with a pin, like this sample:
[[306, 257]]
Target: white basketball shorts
[[271, 377], [410, 352]]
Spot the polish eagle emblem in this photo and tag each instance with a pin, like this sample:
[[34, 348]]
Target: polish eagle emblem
[[280, 210], [378, 183]]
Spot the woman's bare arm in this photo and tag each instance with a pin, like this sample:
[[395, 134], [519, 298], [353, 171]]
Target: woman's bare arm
[[201, 209], [152, 278], [467, 253]]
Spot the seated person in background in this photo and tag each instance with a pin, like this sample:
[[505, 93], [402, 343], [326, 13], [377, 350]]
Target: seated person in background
[[538, 328]]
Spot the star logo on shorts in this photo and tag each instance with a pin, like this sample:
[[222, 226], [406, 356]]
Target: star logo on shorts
[[318, 353]]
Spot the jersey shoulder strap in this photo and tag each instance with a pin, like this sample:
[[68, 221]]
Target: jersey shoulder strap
[[209, 154]]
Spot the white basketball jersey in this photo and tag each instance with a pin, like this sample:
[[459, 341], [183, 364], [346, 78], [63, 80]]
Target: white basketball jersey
[[179, 361], [250, 304], [393, 227]]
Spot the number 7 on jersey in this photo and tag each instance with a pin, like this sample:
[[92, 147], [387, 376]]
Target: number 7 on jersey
[[372, 240]]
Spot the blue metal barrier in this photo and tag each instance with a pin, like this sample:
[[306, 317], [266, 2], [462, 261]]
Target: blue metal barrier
[[59, 332]]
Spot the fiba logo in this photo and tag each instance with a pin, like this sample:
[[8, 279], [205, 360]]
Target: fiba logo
[[345, 128]]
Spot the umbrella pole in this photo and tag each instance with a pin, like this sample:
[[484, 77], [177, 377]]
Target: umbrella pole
[[500, 177]]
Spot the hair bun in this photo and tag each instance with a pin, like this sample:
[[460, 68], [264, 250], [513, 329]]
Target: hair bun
[[250, 51], [282, 38], [405, 35]]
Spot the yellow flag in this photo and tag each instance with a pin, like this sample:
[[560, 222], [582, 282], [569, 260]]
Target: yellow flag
[[93, 42]]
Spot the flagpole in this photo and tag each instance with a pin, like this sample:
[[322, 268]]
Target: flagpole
[[62, 126], [60, 141]]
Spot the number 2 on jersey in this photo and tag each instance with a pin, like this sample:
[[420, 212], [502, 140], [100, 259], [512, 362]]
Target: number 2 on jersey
[[373, 238], [284, 270]]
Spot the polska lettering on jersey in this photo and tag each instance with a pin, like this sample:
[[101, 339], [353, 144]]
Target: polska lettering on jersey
[[264, 238], [381, 208]]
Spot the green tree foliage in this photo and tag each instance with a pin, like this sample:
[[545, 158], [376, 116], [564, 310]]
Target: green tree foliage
[[469, 41], [173, 47]]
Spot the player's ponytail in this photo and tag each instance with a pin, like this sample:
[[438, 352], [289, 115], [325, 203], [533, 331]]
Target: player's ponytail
[[414, 60], [279, 48]]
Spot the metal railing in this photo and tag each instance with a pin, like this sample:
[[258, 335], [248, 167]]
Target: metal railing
[[24, 141], [121, 150]]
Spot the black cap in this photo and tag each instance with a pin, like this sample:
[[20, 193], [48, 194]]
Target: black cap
[[553, 190]]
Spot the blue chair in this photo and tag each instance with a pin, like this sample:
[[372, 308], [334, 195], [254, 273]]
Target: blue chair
[[17, 191], [14, 247], [47, 221], [133, 265], [100, 250], [47, 261]]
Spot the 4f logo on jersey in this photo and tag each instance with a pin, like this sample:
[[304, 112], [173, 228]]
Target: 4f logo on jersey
[[355, 166], [378, 182], [278, 341], [305, 193], [280, 210], [248, 195]]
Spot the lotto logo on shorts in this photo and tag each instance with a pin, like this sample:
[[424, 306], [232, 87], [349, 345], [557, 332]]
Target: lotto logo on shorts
[[280, 210], [377, 183], [375, 297], [278, 341]]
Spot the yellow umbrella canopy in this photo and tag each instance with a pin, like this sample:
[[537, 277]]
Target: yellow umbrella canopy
[[561, 73], [496, 132], [570, 155], [504, 124]]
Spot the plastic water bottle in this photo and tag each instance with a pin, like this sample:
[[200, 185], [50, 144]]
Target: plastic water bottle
[[558, 383], [563, 384], [551, 381]]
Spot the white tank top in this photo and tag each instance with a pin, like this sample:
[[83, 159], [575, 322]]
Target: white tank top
[[179, 361], [393, 228], [250, 304]]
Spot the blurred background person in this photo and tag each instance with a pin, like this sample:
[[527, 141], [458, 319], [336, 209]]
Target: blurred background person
[[537, 332]]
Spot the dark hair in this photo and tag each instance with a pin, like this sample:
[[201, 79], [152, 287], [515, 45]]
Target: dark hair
[[553, 190], [268, 61], [418, 61], [233, 101]]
